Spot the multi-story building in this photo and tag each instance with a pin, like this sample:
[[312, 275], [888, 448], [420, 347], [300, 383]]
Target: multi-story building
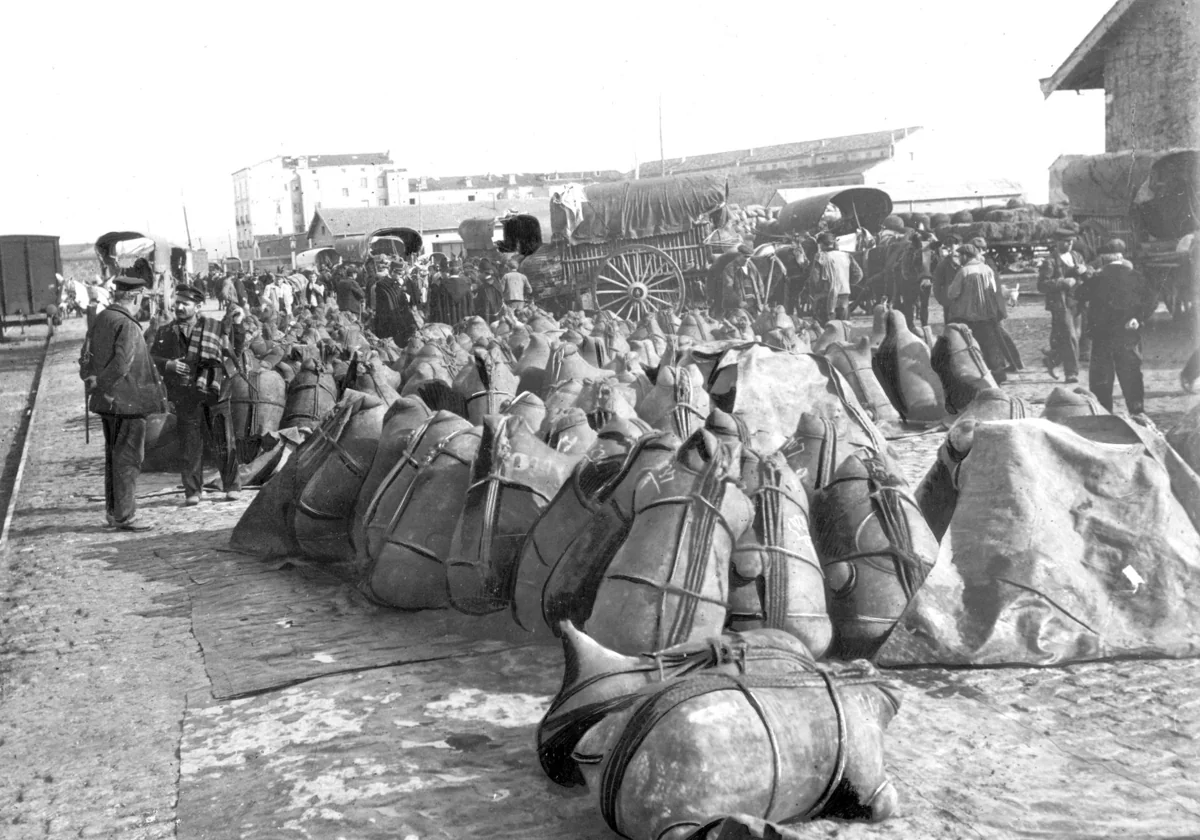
[[278, 196]]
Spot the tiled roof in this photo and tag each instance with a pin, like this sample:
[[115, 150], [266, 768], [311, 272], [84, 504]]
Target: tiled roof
[[356, 221], [780, 152], [1084, 67], [315, 161], [523, 179]]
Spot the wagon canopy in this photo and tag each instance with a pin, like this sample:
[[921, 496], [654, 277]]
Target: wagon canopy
[[870, 205], [522, 234], [121, 248], [477, 234], [393, 241], [317, 258], [634, 209]]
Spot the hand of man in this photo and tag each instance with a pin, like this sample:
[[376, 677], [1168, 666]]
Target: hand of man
[[1132, 324], [178, 367], [89, 383]]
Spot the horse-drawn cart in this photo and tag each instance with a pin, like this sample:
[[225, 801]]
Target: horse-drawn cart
[[1149, 199], [625, 247]]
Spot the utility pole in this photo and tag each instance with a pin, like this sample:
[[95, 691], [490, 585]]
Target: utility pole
[[662, 160]]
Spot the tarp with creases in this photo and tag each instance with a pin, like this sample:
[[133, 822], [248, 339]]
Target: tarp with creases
[[870, 206], [641, 208], [1160, 188], [477, 234], [1069, 541]]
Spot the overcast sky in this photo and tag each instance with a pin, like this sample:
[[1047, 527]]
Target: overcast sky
[[116, 114]]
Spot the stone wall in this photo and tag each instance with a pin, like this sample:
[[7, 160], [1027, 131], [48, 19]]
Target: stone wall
[[1152, 78]]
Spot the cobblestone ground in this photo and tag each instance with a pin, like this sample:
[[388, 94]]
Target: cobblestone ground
[[104, 698]]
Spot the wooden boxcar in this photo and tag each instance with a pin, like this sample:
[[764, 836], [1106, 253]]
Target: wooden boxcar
[[30, 266]]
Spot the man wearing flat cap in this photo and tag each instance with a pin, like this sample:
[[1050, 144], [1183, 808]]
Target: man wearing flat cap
[[123, 388], [1119, 301], [1059, 277], [191, 353]]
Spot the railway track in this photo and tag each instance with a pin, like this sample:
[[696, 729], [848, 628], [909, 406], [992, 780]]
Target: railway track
[[22, 362]]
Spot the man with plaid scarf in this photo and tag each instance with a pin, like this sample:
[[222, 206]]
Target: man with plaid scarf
[[191, 353]]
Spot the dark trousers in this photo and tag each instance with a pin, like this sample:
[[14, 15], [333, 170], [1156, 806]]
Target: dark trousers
[[991, 345], [1119, 352], [199, 426], [1064, 341], [914, 303], [124, 449]]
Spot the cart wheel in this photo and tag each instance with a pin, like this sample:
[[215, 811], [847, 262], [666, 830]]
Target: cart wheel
[[637, 280]]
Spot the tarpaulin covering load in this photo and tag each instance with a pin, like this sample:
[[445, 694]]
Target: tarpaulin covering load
[[1070, 541], [637, 209], [869, 205], [1162, 186], [477, 234]]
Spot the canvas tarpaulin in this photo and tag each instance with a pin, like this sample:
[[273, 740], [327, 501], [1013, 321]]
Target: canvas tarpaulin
[[637, 209], [1064, 545], [1159, 187]]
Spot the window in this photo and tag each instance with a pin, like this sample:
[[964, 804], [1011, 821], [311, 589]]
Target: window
[[470, 198], [412, 201], [362, 182], [381, 181], [345, 191]]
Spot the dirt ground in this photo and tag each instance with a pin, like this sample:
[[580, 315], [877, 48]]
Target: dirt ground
[[120, 711]]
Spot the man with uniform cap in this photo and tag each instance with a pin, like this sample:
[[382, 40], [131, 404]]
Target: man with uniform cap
[[1119, 301], [1059, 276], [123, 388], [831, 276], [191, 353]]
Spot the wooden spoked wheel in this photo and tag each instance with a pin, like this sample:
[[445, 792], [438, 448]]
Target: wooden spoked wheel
[[638, 280]]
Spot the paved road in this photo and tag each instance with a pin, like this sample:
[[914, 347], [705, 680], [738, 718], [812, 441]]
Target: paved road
[[109, 726]]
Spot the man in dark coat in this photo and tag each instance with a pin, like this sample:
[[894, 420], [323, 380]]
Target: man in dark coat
[[1119, 302], [123, 388], [191, 353], [488, 298], [350, 295], [1058, 278], [449, 296]]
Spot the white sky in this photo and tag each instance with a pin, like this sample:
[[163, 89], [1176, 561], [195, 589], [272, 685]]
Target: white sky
[[113, 112]]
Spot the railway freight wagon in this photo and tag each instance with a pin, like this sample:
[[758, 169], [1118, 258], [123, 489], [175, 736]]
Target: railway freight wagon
[[29, 269]]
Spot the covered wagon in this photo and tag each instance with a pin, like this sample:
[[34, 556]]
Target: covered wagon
[[626, 247], [165, 264]]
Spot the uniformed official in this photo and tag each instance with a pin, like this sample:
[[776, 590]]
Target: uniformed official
[[123, 388], [190, 353]]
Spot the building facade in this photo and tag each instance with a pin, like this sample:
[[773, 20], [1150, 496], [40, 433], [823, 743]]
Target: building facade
[[1145, 55], [276, 197]]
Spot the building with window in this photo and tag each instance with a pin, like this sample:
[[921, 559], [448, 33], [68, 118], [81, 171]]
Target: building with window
[[276, 197]]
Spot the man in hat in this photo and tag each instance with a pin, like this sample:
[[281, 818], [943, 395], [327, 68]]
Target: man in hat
[[1059, 277], [350, 295], [974, 300], [280, 295], [947, 267], [831, 276], [191, 353], [917, 265], [489, 300], [1119, 302], [123, 388]]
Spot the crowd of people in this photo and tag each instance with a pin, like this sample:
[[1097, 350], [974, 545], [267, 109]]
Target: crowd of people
[[393, 297]]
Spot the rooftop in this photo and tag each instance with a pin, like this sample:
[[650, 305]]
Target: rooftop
[[356, 221], [1084, 67], [523, 179], [781, 152]]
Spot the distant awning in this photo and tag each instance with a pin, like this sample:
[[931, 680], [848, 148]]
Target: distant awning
[[869, 205], [392, 241]]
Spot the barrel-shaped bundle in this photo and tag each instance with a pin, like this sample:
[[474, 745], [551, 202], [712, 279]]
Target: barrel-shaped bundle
[[487, 385], [570, 432], [789, 746], [905, 371], [257, 398], [602, 400], [958, 362], [598, 681], [573, 562], [876, 549], [402, 419], [678, 402], [514, 477], [372, 376], [1078, 402], [409, 525], [311, 395], [776, 580], [669, 581], [854, 363], [937, 493], [338, 463]]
